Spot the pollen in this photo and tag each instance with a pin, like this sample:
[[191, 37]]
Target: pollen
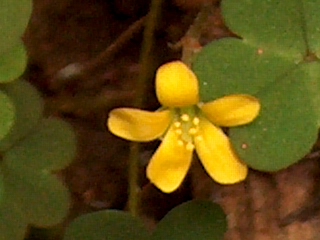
[[190, 146], [186, 127], [185, 117], [196, 121], [178, 131], [180, 143], [192, 131], [199, 138], [177, 124]]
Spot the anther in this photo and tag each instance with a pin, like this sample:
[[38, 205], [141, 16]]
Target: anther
[[177, 124], [196, 121], [180, 143], [185, 117], [192, 131], [178, 131], [189, 146], [199, 138]]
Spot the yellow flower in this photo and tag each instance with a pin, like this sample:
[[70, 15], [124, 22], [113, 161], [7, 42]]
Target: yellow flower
[[185, 125]]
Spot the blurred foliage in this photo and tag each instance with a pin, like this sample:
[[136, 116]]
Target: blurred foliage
[[28, 107], [31, 147], [14, 18]]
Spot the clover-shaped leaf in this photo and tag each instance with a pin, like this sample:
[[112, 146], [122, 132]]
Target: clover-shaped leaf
[[273, 25], [32, 194], [275, 59], [41, 197]]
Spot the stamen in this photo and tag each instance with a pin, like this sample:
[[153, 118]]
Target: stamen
[[189, 146], [192, 131], [178, 131], [180, 143], [186, 127], [199, 138], [185, 117], [177, 124], [196, 121]]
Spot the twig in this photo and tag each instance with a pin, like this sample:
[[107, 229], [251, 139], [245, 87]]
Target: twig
[[82, 104], [84, 70], [313, 155]]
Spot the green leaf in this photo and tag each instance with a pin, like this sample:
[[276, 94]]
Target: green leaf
[[13, 62], [40, 196], [230, 66], [288, 123], [13, 225], [51, 147], [275, 25], [29, 107], [1, 189], [14, 17], [43, 199], [275, 60], [311, 22], [110, 224], [7, 114], [192, 220]]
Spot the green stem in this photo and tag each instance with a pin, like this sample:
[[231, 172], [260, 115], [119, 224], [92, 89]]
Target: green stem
[[142, 86]]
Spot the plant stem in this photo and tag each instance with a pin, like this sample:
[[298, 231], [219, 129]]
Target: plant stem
[[142, 86]]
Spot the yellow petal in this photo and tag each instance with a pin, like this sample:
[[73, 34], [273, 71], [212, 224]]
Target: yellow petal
[[169, 165], [138, 125], [217, 156], [176, 85], [232, 110]]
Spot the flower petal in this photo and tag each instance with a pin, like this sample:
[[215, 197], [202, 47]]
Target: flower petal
[[217, 156], [232, 110], [169, 165], [138, 125], [176, 85]]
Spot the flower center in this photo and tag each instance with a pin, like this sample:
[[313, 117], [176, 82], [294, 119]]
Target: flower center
[[186, 124]]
